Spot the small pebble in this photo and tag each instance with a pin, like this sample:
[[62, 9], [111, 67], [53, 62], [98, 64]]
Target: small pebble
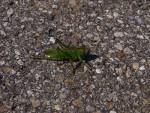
[[40, 29], [139, 20], [112, 111], [148, 26], [142, 68], [148, 62], [100, 1], [135, 66], [109, 16], [115, 14], [140, 36], [7, 70], [22, 26], [92, 86], [100, 18], [20, 62], [89, 35], [24, 19], [5, 24], [2, 63], [93, 14], [10, 12], [3, 108], [30, 93], [35, 103], [118, 46], [118, 34], [85, 68], [90, 108], [17, 52], [80, 27], [54, 6], [77, 102], [52, 40], [119, 79], [128, 72], [97, 112], [98, 71], [37, 76], [128, 50], [131, 18], [120, 21], [96, 38], [2, 33], [143, 61], [118, 71], [62, 96], [72, 2], [58, 107], [133, 94]]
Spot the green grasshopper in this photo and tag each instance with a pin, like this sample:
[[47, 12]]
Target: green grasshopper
[[68, 53]]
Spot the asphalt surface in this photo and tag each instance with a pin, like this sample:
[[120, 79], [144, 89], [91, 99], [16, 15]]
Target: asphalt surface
[[118, 81]]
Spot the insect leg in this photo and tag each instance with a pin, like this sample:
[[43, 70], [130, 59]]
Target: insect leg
[[73, 69], [77, 66], [61, 43], [89, 65], [69, 44]]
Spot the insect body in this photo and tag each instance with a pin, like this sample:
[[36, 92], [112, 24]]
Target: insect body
[[66, 54]]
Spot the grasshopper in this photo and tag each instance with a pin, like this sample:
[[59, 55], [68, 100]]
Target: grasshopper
[[68, 53]]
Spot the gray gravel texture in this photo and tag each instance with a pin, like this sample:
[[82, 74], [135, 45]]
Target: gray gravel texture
[[116, 30]]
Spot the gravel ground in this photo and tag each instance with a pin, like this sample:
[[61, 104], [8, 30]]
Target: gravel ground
[[118, 31]]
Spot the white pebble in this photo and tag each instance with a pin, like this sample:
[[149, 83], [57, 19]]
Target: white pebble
[[100, 1], [85, 68], [148, 26], [118, 46], [10, 12], [112, 112], [133, 94], [119, 79], [118, 34], [115, 14], [120, 21], [5, 24], [17, 52], [100, 18], [30, 93], [109, 16], [52, 40], [98, 71], [2, 33], [57, 107], [80, 27], [128, 73], [20, 62], [54, 6], [37, 76], [140, 36], [90, 108], [142, 68], [135, 66], [89, 35], [128, 50], [2, 63]]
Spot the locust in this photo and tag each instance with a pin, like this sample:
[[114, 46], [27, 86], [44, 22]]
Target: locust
[[68, 53]]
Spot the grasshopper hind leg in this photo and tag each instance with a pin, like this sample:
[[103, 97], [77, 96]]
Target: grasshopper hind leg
[[62, 44]]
